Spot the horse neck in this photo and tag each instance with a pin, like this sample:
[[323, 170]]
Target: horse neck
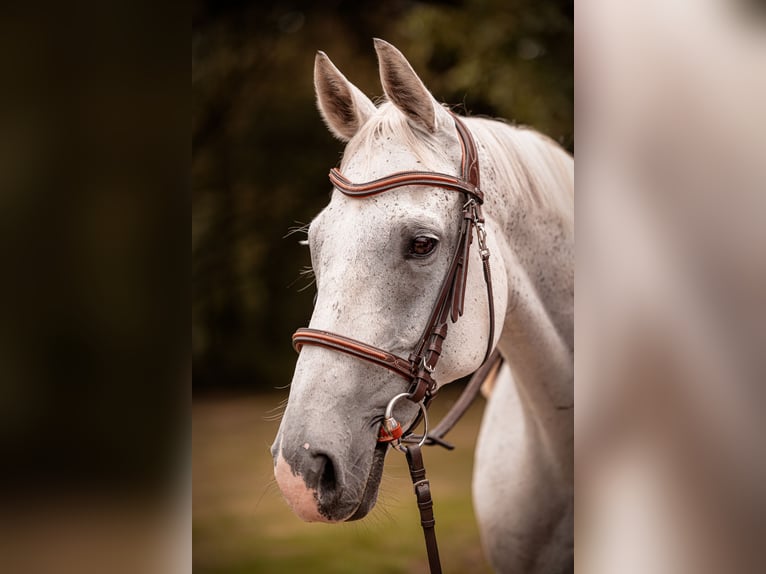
[[537, 250]]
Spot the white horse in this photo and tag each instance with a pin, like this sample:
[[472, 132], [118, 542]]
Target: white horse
[[379, 263]]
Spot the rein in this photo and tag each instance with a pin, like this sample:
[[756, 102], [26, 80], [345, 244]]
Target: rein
[[419, 367]]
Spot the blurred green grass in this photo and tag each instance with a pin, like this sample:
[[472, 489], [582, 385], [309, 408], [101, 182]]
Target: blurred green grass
[[241, 525]]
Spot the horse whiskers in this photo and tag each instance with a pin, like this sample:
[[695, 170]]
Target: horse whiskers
[[380, 515], [277, 412], [281, 405], [308, 273], [354, 466], [268, 486], [300, 228], [382, 507]]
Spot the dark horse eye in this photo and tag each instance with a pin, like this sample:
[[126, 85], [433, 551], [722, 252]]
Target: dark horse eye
[[422, 246]]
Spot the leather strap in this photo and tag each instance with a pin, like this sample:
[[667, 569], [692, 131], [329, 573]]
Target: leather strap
[[402, 179], [470, 162], [415, 456], [401, 367], [425, 505], [490, 305]]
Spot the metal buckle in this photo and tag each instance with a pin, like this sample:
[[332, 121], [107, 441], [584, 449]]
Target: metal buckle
[[481, 233], [423, 482]]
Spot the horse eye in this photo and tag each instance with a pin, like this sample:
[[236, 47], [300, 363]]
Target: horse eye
[[422, 245]]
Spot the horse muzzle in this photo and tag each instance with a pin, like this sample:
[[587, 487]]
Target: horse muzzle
[[319, 489]]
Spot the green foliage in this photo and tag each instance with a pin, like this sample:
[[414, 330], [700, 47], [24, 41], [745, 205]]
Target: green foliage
[[260, 153]]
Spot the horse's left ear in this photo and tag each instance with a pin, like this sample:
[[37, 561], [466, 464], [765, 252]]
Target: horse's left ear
[[406, 90]]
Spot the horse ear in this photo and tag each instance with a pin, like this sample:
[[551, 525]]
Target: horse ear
[[343, 106], [405, 89]]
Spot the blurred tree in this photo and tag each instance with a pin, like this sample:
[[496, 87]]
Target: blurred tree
[[260, 152]]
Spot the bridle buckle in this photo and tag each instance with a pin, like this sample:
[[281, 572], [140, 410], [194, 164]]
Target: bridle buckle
[[481, 232]]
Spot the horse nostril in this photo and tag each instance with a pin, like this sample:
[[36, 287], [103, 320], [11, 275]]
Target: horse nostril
[[327, 477]]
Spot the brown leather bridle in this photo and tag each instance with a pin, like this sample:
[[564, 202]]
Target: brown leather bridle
[[419, 367]]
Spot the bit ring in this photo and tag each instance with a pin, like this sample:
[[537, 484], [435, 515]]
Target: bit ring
[[390, 413]]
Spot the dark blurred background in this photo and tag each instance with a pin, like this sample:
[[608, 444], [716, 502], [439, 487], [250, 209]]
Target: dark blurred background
[[260, 152]]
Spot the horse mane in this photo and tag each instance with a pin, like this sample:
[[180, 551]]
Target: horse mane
[[538, 173], [390, 122]]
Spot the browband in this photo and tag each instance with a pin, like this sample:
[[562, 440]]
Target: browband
[[403, 179]]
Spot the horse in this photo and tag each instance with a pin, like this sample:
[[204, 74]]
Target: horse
[[379, 263]]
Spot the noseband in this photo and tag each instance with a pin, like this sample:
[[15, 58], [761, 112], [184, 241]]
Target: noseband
[[419, 367]]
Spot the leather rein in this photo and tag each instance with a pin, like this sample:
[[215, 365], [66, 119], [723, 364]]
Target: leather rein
[[418, 368]]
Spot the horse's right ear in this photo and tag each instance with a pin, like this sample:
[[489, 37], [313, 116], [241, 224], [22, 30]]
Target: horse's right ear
[[406, 90], [343, 106]]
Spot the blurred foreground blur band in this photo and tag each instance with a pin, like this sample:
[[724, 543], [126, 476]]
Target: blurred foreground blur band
[[671, 287], [94, 288]]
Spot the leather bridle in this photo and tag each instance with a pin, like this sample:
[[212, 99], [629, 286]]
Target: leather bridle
[[418, 368]]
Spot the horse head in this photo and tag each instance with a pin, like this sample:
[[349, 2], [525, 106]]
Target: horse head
[[379, 264]]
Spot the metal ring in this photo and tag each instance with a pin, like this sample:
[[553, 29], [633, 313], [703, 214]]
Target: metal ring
[[425, 423], [392, 402], [390, 413]]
